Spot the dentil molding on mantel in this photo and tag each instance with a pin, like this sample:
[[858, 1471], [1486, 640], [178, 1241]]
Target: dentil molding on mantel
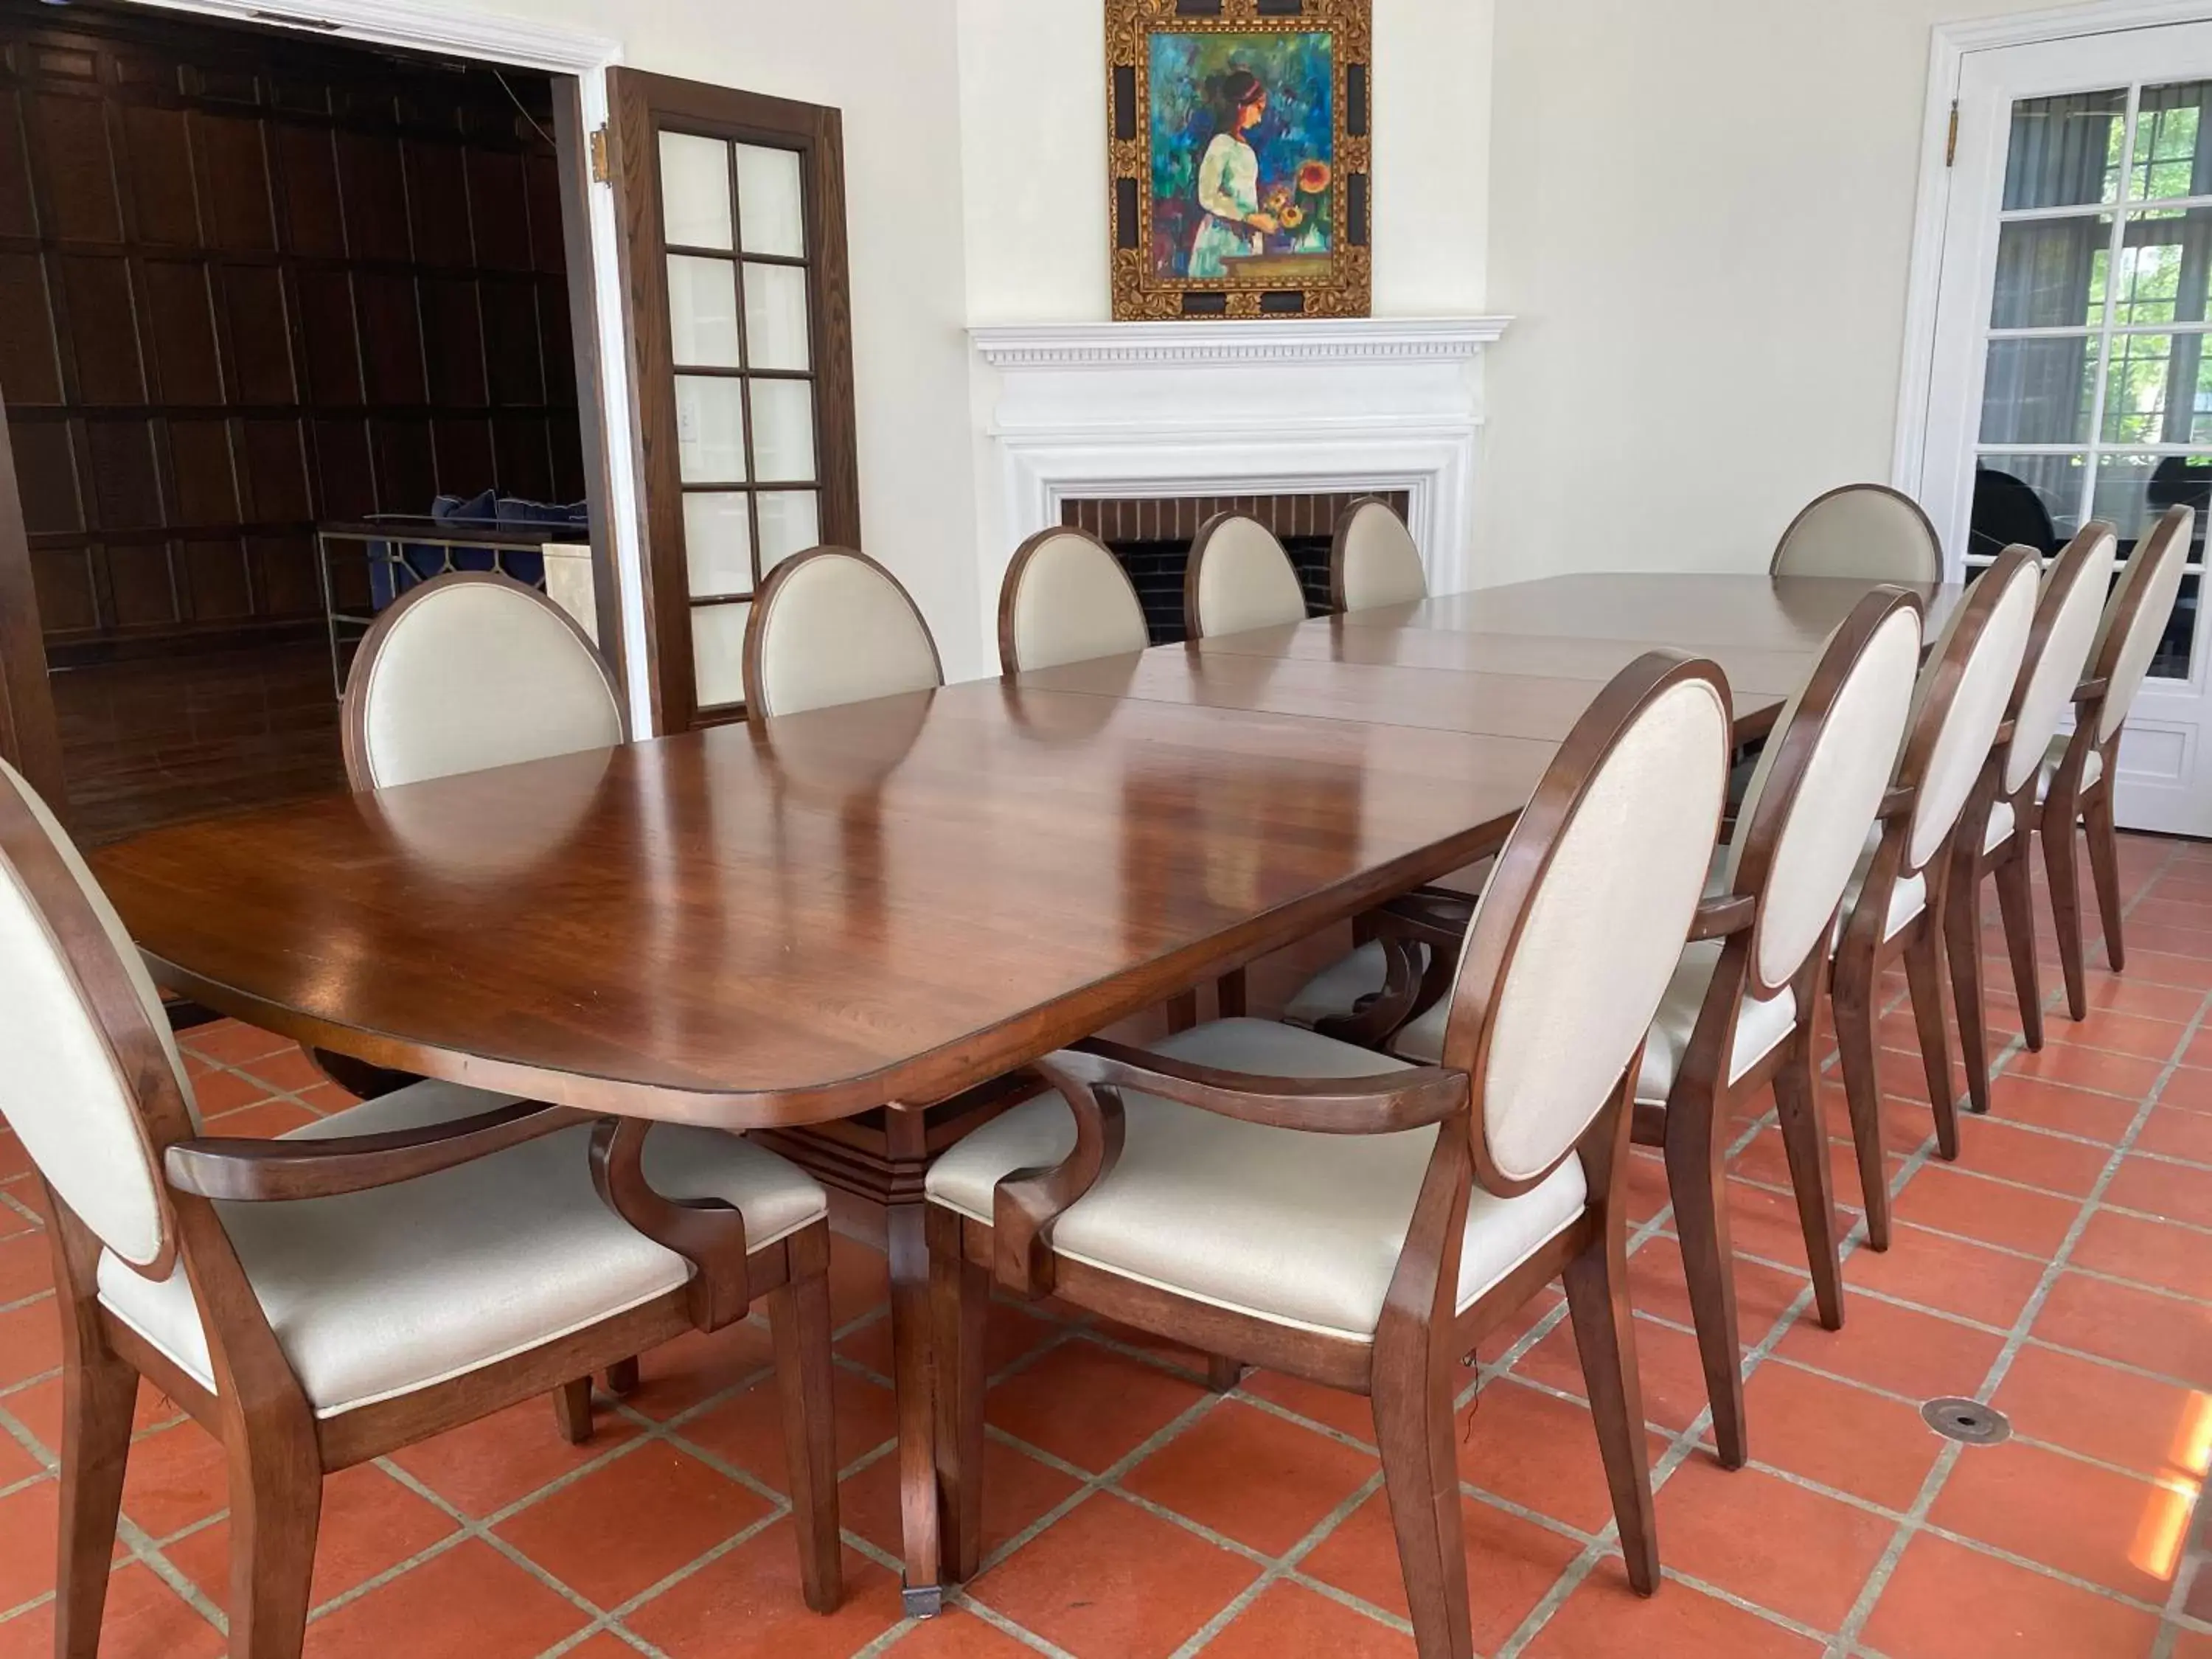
[[1267, 340]]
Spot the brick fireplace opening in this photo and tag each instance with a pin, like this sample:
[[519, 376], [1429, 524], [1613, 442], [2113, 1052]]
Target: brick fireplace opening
[[1151, 538]]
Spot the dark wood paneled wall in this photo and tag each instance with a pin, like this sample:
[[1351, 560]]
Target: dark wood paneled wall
[[247, 283]]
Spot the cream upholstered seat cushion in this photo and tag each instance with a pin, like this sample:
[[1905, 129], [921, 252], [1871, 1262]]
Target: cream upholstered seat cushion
[[2000, 828], [378, 1293], [836, 629], [1380, 565], [1340, 988], [1245, 580], [2058, 666], [2091, 768], [1906, 899], [1071, 601], [1864, 531], [1299, 1229], [1761, 1024], [476, 674]]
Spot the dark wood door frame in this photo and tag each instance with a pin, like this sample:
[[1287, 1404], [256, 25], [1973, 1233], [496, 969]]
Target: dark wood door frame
[[29, 738]]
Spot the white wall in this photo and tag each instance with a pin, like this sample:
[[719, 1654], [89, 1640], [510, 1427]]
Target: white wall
[[1701, 217]]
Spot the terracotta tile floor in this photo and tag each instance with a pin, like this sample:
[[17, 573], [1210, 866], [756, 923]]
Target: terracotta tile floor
[[2062, 1270]]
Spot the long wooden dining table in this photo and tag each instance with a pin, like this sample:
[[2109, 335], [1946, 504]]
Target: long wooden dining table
[[883, 907]]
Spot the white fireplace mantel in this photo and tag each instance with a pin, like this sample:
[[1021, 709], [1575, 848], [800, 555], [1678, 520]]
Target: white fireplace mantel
[[1208, 408]]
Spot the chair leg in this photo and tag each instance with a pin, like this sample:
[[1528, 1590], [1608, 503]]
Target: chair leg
[[1229, 993], [572, 1410], [1853, 1005], [1222, 1375], [1697, 1187], [622, 1378], [2016, 899], [1924, 974], [799, 1322], [97, 1399], [2066, 909], [276, 1510], [1413, 1400], [960, 1304], [1182, 1011], [1962, 940], [2103, 838], [1805, 1138], [1605, 1336]]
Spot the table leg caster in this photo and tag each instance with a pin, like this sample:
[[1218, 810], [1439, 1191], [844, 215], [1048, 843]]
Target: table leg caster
[[923, 1601]]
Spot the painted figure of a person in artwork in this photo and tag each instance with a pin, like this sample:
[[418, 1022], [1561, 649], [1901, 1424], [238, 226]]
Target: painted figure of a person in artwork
[[1229, 177]]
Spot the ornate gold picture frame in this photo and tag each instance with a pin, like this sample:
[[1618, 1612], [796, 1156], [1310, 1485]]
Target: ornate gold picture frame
[[1237, 157]]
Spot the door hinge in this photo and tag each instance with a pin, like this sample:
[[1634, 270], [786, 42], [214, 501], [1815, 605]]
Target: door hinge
[[1950, 144], [601, 175]]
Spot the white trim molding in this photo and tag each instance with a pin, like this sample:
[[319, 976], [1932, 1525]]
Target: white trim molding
[[1294, 406], [1948, 45], [425, 26]]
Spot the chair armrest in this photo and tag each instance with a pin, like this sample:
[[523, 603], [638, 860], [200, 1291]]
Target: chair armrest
[[241, 1170], [1432, 916], [1717, 917], [706, 1232], [1382, 1103]]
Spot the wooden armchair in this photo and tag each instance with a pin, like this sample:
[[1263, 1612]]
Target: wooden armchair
[[2000, 818], [1893, 902], [1262, 1191], [398, 1269], [2082, 765]]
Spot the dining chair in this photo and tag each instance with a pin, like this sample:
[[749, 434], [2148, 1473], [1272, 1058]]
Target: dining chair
[[1067, 598], [1372, 560], [832, 626], [1999, 822], [467, 671], [1258, 1190], [1863, 530], [392, 1271], [1238, 577], [2084, 763], [1893, 903]]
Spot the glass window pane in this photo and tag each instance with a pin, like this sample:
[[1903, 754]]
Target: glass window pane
[[2066, 150], [2134, 491], [2055, 482], [2170, 660], [718, 543], [702, 311], [2165, 258], [2174, 142], [790, 522], [2051, 273], [2159, 390], [710, 430], [718, 653], [783, 431], [775, 317], [771, 206], [695, 191], [2039, 391]]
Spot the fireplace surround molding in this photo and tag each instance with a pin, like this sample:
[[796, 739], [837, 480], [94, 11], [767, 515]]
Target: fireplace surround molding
[[1207, 408]]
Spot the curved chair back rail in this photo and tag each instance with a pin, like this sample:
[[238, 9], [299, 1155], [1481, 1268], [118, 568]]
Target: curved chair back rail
[[1864, 530], [1964, 694], [1575, 937], [91, 1060], [1239, 578], [1067, 598], [2134, 621], [831, 625], [1819, 783], [1372, 560], [472, 670], [2058, 649]]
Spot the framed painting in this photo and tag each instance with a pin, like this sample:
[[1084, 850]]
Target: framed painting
[[1237, 151]]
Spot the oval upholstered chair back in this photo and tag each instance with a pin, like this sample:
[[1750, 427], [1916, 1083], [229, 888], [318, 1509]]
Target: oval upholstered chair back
[[1867, 530], [469, 671], [831, 625], [1372, 560], [1239, 578], [2066, 621], [1067, 598]]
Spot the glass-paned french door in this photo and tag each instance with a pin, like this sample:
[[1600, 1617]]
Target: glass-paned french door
[[733, 213], [2073, 372]]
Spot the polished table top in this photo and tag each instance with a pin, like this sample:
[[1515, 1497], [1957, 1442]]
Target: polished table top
[[898, 899]]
